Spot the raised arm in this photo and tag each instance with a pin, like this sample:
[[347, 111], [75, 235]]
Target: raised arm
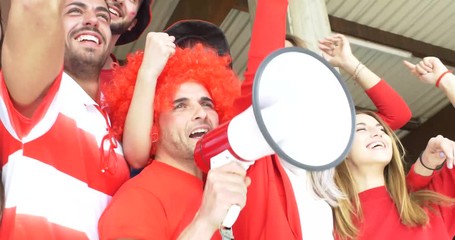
[[33, 49], [268, 35], [137, 140], [424, 170], [391, 106], [431, 70], [438, 155]]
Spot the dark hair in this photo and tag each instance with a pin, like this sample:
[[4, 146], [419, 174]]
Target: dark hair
[[296, 41]]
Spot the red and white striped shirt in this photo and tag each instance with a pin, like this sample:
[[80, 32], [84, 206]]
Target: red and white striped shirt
[[58, 178]]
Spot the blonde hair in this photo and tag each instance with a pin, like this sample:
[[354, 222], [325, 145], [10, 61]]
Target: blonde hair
[[410, 206], [322, 182], [324, 186]]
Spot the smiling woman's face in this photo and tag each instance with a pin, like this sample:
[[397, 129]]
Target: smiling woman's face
[[371, 143]]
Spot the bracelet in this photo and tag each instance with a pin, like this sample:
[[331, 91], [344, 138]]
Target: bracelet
[[357, 70], [440, 77], [432, 169]]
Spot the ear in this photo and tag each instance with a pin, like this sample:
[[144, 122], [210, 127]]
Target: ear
[[155, 134], [132, 24]]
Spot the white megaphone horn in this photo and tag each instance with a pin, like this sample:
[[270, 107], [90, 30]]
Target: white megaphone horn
[[301, 110]]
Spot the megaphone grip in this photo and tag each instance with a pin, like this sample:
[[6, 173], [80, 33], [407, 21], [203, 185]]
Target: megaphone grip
[[231, 216]]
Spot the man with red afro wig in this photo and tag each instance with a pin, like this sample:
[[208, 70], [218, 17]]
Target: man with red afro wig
[[194, 92]]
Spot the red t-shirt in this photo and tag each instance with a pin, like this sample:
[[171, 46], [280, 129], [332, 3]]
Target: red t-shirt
[[159, 203], [382, 220]]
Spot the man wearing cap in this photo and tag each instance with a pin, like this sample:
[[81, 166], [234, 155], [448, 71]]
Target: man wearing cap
[[128, 20], [61, 164], [195, 91]]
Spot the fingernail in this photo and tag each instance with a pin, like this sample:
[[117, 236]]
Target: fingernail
[[442, 155]]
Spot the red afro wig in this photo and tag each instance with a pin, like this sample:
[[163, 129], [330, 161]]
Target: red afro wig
[[198, 64]]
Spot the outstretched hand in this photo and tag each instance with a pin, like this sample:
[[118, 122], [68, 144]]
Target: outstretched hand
[[336, 50], [428, 70], [438, 150]]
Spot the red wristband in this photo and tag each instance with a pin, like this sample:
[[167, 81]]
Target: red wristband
[[440, 77]]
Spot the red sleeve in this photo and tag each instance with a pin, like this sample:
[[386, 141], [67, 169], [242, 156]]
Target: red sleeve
[[416, 181], [21, 124], [443, 182], [135, 214], [391, 106], [268, 35]]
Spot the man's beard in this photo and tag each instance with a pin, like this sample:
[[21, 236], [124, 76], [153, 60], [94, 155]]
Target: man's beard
[[83, 63], [120, 27], [176, 147]]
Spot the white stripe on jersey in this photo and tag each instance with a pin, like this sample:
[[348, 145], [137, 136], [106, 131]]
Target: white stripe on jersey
[[49, 193], [89, 119], [6, 120]]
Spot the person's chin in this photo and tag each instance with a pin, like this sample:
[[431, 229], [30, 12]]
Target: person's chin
[[383, 158]]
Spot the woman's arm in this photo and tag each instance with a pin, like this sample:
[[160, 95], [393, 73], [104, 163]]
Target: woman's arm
[[268, 35], [439, 154], [391, 106], [431, 70], [137, 140]]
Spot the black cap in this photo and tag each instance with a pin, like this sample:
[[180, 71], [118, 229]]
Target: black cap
[[199, 31], [144, 15]]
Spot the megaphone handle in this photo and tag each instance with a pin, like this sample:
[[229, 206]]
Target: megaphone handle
[[226, 226], [231, 216], [217, 161]]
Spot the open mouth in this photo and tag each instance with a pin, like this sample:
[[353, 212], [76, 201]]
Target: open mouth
[[198, 133], [114, 12], [88, 38], [376, 145]]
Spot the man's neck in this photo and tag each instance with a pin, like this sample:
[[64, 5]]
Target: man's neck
[[185, 165], [108, 63], [88, 82]]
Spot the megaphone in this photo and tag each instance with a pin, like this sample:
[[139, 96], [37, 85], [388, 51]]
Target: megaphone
[[301, 110]]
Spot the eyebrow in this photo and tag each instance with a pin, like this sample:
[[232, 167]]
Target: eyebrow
[[179, 100], [103, 9], [184, 99], [206, 99], [364, 124], [84, 6]]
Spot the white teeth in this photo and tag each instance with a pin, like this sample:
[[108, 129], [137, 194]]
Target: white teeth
[[88, 38], [199, 131], [113, 11], [376, 144]]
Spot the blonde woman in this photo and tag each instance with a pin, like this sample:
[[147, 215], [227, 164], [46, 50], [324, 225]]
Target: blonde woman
[[378, 203]]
